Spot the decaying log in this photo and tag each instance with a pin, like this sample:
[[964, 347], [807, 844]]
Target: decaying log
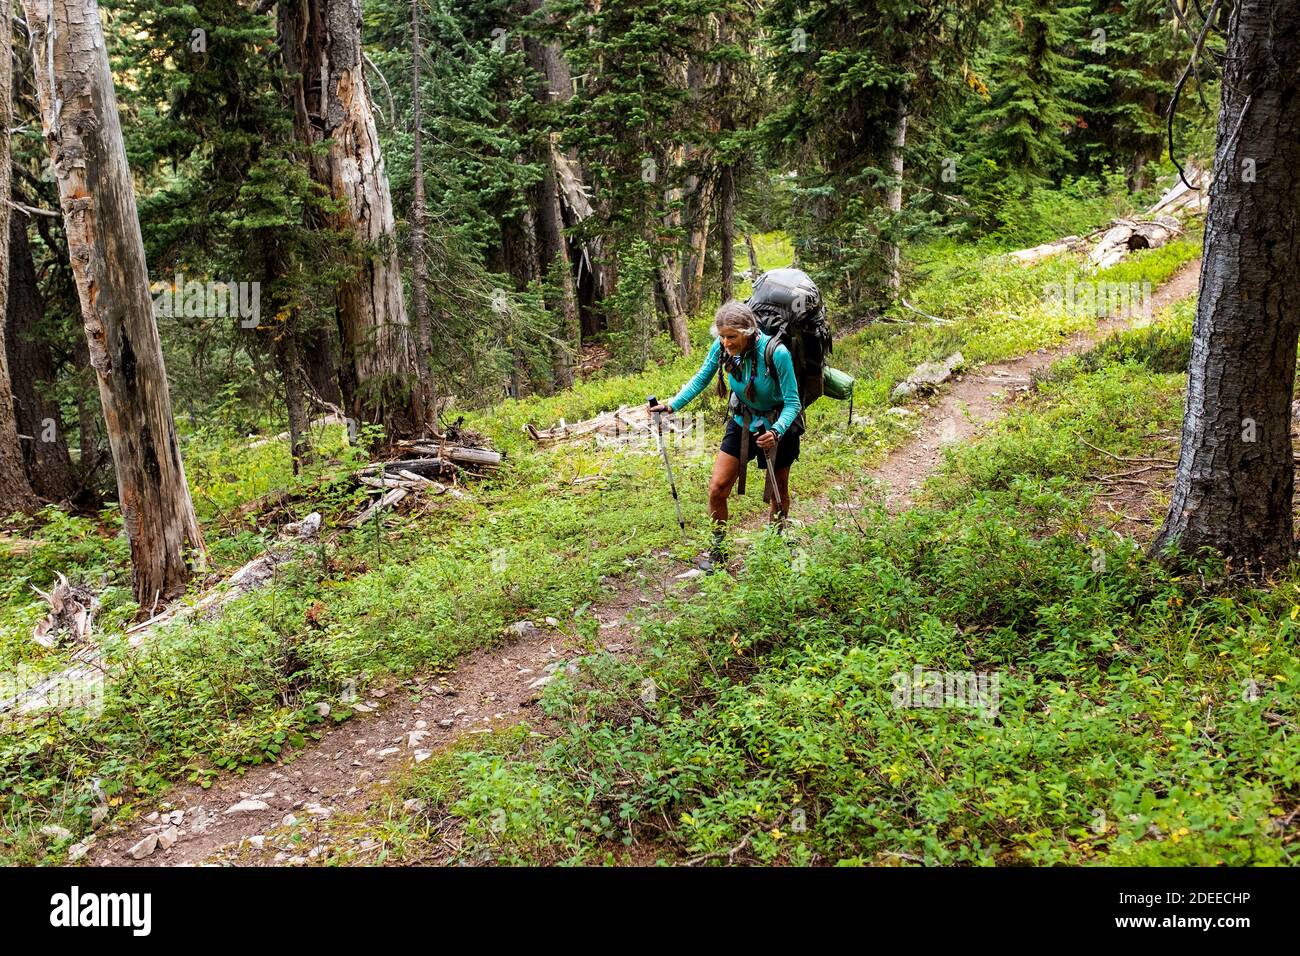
[[333, 418], [1127, 234], [1120, 237], [483, 457], [419, 480], [1027, 257], [402, 476], [421, 466], [84, 669], [381, 482]]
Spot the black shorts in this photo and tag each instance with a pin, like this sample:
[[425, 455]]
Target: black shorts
[[787, 449]]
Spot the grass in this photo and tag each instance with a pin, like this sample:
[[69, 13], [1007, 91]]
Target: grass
[[226, 694]]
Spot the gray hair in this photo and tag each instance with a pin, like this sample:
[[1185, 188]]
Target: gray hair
[[735, 315]]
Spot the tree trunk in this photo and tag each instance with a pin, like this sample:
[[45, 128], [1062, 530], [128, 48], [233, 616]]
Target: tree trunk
[[289, 365], [321, 45], [88, 430], [665, 273], [693, 267], [753, 256], [667, 269], [33, 373], [1234, 483], [321, 373], [419, 267], [548, 61], [727, 229], [15, 490], [894, 195], [80, 120], [555, 258], [284, 337]]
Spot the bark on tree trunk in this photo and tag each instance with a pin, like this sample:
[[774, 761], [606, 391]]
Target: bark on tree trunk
[[284, 335], [1234, 483], [33, 373], [753, 256], [548, 61], [592, 280], [15, 489], [321, 45], [321, 371], [88, 430], [80, 119], [894, 194]]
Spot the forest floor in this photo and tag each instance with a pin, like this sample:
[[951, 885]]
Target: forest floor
[[281, 813]]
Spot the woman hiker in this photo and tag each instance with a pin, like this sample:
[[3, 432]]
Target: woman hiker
[[765, 414]]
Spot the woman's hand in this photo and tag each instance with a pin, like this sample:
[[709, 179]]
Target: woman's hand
[[661, 407], [767, 441]]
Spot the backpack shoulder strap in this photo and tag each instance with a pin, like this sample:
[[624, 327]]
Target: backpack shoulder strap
[[770, 351]]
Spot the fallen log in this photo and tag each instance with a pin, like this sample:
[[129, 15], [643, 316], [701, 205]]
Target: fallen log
[[421, 466], [415, 479], [560, 433], [461, 454], [1117, 239], [381, 482], [1127, 234], [333, 418], [1027, 257], [390, 498]]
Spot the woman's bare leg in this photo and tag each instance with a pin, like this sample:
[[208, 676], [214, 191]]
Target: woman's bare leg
[[726, 468]]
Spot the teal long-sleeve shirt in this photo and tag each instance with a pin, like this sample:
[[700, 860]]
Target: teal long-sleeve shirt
[[768, 392]]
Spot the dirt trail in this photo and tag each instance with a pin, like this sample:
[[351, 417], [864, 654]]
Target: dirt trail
[[405, 722], [974, 400], [396, 726]]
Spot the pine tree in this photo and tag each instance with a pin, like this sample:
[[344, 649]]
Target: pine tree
[[853, 79], [1035, 80], [1135, 50]]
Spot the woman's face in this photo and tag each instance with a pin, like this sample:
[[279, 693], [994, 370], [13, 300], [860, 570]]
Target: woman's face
[[733, 340]]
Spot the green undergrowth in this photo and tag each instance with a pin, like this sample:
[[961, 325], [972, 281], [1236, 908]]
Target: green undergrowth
[[1138, 716]]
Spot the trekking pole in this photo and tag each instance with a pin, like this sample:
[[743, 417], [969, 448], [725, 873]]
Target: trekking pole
[[663, 450], [771, 471]]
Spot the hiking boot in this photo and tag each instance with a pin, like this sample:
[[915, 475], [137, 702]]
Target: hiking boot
[[716, 557], [713, 560]]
